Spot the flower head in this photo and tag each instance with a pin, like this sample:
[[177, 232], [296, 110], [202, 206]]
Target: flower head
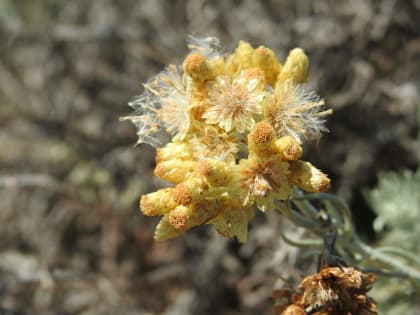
[[145, 118], [163, 105], [213, 143], [332, 291], [234, 102], [237, 124], [296, 112], [264, 181], [171, 87]]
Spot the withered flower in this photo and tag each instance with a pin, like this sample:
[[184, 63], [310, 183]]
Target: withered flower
[[332, 291]]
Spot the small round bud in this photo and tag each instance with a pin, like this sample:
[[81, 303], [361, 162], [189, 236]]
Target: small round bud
[[182, 195], [289, 148], [180, 217], [308, 177], [263, 132], [197, 67]]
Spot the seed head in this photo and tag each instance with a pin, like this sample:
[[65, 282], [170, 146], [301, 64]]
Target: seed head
[[296, 112], [234, 103]]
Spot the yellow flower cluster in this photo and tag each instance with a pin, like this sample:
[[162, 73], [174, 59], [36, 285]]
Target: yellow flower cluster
[[237, 124]]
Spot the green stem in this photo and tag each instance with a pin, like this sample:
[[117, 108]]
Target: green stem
[[348, 243], [394, 263], [400, 252]]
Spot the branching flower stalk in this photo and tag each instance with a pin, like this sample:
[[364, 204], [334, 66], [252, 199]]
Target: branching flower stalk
[[387, 260], [238, 123]]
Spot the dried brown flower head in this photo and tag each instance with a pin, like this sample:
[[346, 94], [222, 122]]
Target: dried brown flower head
[[332, 291]]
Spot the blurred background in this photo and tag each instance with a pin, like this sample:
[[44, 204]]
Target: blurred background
[[72, 240]]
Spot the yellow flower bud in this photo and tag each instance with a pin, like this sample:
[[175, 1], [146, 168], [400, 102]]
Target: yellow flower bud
[[217, 66], [265, 59], [260, 140], [182, 195], [308, 177], [214, 172], [181, 217], [157, 203], [288, 148], [262, 133], [173, 150], [241, 59], [186, 217], [189, 191], [175, 171], [164, 230], [198, 68], [295, 68]]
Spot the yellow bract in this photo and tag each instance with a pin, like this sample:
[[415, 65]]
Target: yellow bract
[[237, 125]]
